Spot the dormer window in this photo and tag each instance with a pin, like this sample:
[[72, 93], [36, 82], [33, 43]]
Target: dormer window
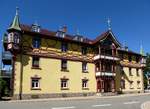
[[61, 32], [78, 38], [35, 28]]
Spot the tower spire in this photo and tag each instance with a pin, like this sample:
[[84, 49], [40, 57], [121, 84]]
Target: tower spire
[[141, 50], [109, 23], [15, 24], [17, 11]]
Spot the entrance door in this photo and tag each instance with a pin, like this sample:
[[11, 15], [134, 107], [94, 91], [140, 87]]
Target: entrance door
[[107, 86], [98, 86]]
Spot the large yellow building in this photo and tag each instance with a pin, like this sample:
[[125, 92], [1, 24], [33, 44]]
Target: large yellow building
[[56, 64]]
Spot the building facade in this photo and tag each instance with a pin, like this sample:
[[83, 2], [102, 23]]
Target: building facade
[[56, 64]]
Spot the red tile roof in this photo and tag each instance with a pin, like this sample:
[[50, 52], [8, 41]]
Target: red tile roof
[[48, 33], [45, 32]]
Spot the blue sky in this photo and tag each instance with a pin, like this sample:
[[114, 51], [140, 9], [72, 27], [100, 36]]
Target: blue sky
[[130, 19]]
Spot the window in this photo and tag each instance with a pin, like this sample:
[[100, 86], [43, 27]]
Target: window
[[16, 38], [137, 72], [131, 84], [84, 50], [64, 47], [138, 84], [64, 83], [64, 65], [130, 58], [36, 42], [122, 84], [137, 59], [84, 83], [84, 67], [10, 37], [130, 72], [35, 61], [108, 67], [35, 28], [97, 65], [35, 83], [60, 34]]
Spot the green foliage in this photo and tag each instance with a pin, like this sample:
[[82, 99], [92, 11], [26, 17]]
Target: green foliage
[[146, 69], [3, 86], [2, 83]]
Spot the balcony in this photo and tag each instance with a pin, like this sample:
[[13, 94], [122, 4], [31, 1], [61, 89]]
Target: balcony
[[6, 58], [106, 57], [5, 41], [6, 73], [102, 73]]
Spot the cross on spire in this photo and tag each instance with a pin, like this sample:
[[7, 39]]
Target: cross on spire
[[141, 49], [17, 10], [109, 24]]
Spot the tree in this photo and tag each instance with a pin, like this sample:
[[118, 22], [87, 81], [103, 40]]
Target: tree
[[2, 86], [147, 69]]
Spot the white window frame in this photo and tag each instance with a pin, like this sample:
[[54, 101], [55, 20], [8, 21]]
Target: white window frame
[[35, 83], [131, 84], [64, 83], [84, 83], [84, 66], [138, 84]]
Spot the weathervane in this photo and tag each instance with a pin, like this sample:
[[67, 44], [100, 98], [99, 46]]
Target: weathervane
[[109, 24], [77, 32]]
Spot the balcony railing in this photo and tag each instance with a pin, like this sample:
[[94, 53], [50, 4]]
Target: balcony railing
[[109, 57], [7, 58], [5, 38], [6, 73], [106, 73], [6, 55]]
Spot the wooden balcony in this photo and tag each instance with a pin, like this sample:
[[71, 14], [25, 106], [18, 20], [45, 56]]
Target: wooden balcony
[[105, 73], [108, 57], [5, 41], [6, 74]]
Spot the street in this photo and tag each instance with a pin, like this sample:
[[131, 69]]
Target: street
[[126, 102]]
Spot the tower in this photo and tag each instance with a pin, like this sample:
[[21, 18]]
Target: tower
[[141, 50], [14, 34]]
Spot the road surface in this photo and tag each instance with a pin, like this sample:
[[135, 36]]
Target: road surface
[[122, 102]]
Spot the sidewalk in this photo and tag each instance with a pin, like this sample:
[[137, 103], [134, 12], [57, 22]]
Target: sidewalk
[[78, 98], [146, 105]]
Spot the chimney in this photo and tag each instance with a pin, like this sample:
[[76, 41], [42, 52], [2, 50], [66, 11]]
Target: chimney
[[64, 29]]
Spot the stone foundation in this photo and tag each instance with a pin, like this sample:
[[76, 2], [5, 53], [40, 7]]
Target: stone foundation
[[56, 95], [130, 92]]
